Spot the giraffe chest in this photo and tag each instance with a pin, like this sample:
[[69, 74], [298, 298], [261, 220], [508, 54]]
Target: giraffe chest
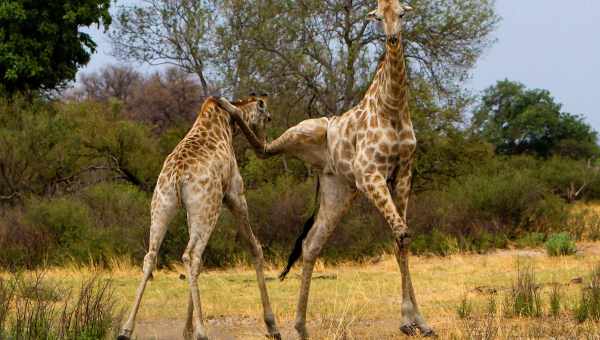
[[381, 149]]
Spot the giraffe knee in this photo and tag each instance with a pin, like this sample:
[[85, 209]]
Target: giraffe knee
[[150, 261], [310, 252], [185, 258], [256, 250], [195, 265], [402, 236]]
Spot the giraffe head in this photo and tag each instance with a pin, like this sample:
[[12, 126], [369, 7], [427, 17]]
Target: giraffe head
[[390, 13], [255, 113]]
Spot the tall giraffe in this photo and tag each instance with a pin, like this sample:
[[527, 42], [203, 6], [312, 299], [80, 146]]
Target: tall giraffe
[[202, 173], [364, 150]]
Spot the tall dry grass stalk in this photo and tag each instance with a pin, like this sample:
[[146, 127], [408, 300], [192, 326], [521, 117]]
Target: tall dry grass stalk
[[33, 307], [523, 299]]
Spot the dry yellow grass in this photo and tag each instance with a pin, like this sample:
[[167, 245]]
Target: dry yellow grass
[[355, 301]]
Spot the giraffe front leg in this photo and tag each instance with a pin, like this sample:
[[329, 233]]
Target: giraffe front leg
[[375, 188], [410, 309]]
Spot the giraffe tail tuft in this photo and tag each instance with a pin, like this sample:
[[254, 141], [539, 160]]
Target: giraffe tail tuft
[[297, 251]]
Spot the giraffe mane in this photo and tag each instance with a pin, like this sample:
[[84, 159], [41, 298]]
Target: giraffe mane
[[381, 61], [245, 101]]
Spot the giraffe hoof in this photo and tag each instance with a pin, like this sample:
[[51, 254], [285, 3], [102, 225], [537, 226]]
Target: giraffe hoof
[[125, 335], [429, 333], [302, 332], [275, 336], [409, 330]]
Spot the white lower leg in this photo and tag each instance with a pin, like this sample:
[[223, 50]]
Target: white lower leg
[[411, 315], [194, 272], [149, 263], [189, 326], [300, 324], [257, 256]]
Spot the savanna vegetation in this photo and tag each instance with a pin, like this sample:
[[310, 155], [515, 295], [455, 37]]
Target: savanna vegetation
[[507, 167]]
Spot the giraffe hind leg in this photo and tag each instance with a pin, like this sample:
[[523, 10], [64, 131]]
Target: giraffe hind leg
[[163, 208], [335, 199], [202, 213]]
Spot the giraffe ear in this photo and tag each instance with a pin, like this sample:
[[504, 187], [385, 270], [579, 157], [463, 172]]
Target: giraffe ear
[[407, 8], [374, 16]]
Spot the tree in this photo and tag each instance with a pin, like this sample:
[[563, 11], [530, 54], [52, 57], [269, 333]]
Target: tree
[[163, 99], [320, 55], [41, 46], [522, 121], [174, 32], [117, 82]]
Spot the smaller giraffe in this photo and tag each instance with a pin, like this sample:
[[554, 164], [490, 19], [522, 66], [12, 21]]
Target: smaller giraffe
[[202, 173]]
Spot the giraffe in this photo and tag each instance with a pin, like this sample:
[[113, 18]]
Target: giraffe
[[200, 174], [369, 149]]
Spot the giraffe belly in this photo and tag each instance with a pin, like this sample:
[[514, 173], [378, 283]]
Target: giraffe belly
[[341, 160]]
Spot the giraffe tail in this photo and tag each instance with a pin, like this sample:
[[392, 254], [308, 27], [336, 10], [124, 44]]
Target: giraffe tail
[[297, 251], [177, 181]]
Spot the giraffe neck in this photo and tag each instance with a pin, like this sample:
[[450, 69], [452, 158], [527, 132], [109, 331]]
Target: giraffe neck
[[389, 89]]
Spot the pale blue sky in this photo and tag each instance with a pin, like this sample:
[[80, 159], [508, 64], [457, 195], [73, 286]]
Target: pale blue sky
[[547, 44]]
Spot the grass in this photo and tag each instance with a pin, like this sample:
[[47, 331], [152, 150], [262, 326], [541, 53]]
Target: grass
[[358, 301], [34, 307]]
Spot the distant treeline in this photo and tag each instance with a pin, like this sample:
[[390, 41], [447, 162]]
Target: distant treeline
[[77, 174], [78, 167]]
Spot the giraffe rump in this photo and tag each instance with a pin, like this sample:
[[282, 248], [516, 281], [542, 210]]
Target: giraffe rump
[[297, 251]]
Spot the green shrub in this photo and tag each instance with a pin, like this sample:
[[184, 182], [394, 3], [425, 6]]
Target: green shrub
[[68, 222], [121, 218], [531, 240], [589, 306], [524, 297], [560, 245], [435, 243]]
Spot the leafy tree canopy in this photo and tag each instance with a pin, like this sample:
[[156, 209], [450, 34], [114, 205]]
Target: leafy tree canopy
[[518, 120], [41, 46]]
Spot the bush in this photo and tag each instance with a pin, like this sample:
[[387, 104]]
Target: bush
[[531, 240], [560, 245], [68, 223], [524, 297], [121, 216], [435, 243], [589, 306], [485, 210]]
